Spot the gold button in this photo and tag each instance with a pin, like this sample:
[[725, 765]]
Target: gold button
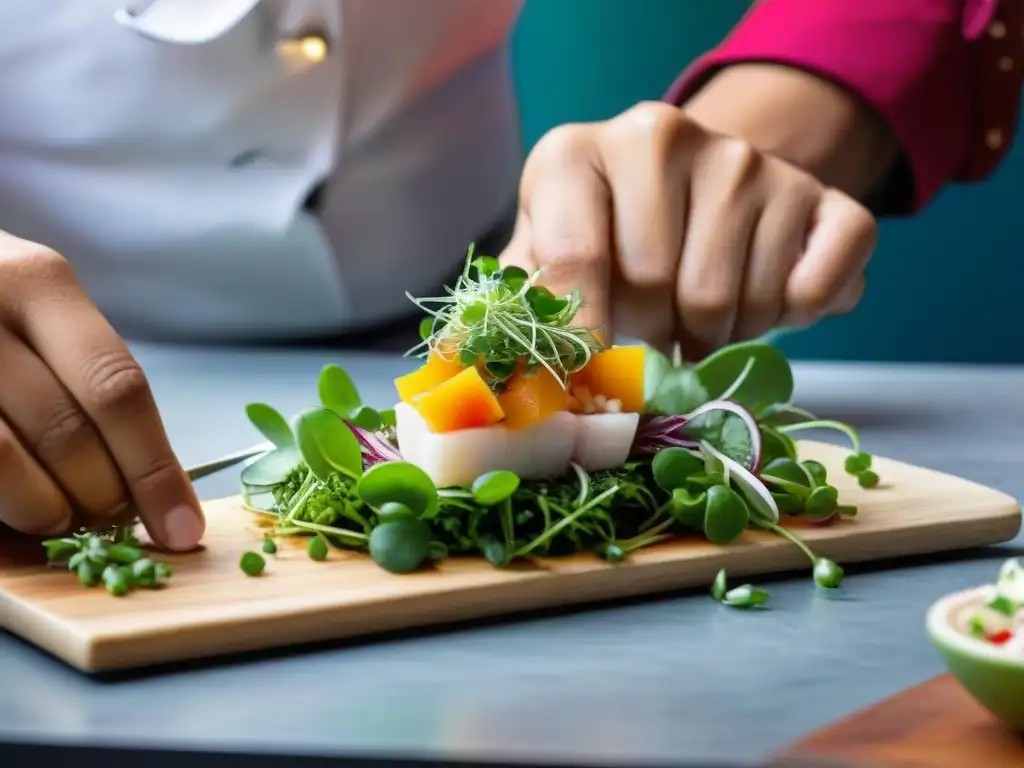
[[997, 30], [312, 49], [993, 138], [1005, 63]]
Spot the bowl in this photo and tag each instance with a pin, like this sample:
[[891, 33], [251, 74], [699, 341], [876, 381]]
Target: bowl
[[992, 675]]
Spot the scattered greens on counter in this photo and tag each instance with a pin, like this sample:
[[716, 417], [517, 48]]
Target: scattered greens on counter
[[112, 556]]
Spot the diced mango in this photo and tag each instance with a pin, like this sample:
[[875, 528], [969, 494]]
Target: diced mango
[[436, 370], [462, 402], [617, 374], [532, 397]]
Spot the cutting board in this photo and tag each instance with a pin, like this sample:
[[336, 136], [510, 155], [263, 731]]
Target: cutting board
[[935, 725], [212, 608]]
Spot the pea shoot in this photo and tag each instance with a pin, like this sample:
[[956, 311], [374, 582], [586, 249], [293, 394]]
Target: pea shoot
[[111, 556], [744, 596], [269, 546]]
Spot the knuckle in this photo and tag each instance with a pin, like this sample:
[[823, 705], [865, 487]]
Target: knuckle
[[116, 383], [10, 450], [738, 160], [29, 260], [862, 226], [569, 255], [152, 479], [66, 428], [811, 297], [665, 128], [25, 268], [707, 305], [561, 142]]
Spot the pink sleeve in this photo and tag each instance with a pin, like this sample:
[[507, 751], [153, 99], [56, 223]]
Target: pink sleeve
[[944, 74]]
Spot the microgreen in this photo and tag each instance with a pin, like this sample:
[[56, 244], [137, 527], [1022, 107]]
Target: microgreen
[[726, 515], [116, 580], [112, 556], [744, 596], [327, 444], [868, 478], [751, 373], [501, 319], [271, 424], [401, 482], [494, 487], [400, 546]]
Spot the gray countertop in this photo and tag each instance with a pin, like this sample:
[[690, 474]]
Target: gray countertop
[[663, 681]]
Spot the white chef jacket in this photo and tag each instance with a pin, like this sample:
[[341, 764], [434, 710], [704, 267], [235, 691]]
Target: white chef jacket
[[167, 149]]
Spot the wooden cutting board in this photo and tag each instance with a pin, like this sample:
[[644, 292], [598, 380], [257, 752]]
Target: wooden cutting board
[[212, 608], [935, 725]]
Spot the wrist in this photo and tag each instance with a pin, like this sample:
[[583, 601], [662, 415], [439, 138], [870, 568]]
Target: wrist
[[803, 119]]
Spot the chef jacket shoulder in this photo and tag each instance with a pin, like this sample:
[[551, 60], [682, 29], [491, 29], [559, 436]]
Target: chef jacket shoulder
[[168, 148]]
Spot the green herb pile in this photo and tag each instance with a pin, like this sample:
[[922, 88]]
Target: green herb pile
[[112, 556], [713, 457], [499, 319]]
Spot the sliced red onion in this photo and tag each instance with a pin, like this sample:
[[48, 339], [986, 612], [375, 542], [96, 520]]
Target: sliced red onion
[[376, 448], [755, 491], [657, 432], [748, 420]]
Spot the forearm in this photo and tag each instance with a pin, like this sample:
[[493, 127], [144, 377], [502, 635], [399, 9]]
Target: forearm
[[806, 120], [833, 86]]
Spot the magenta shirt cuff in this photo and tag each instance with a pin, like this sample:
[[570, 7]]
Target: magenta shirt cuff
[[929, 67]]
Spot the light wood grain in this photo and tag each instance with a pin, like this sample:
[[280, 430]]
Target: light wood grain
[[212, 608], [934, 725]]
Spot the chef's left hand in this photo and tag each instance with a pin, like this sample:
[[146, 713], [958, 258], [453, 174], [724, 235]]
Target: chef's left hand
[[674, 233]]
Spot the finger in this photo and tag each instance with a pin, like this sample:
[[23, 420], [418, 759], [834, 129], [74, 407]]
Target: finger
[[569, 210], [777, 244], [30, 502], [85, 353], [724, 209], [839, 247], [645, 158], [849, 297], [517, 251], [54, 429]]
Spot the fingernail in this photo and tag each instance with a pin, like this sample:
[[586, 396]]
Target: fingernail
[[183, 528]]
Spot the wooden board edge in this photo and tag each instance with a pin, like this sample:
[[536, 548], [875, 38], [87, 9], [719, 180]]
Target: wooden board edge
[[93, 652], [46, 631], [99, 652]]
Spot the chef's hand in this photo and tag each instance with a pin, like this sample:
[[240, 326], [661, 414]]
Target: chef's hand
[[80, 436], [673, 233]]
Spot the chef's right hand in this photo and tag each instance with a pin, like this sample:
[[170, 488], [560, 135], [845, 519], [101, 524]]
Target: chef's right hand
[[81, 441]]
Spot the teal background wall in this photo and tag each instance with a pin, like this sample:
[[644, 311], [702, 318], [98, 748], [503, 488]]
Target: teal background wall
[[946, 285]]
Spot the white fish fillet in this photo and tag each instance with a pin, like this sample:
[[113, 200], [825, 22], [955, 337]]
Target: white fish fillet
[[599, 441], [603, 440]]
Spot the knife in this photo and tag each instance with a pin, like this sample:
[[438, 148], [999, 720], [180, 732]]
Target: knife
[[197, 471]]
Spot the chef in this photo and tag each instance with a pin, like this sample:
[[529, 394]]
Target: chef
[[250, 171]]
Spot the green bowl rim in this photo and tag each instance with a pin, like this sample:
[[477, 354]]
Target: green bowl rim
[[937, 623]]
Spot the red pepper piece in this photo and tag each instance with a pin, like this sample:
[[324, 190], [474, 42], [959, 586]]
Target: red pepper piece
[[1000, 638]]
